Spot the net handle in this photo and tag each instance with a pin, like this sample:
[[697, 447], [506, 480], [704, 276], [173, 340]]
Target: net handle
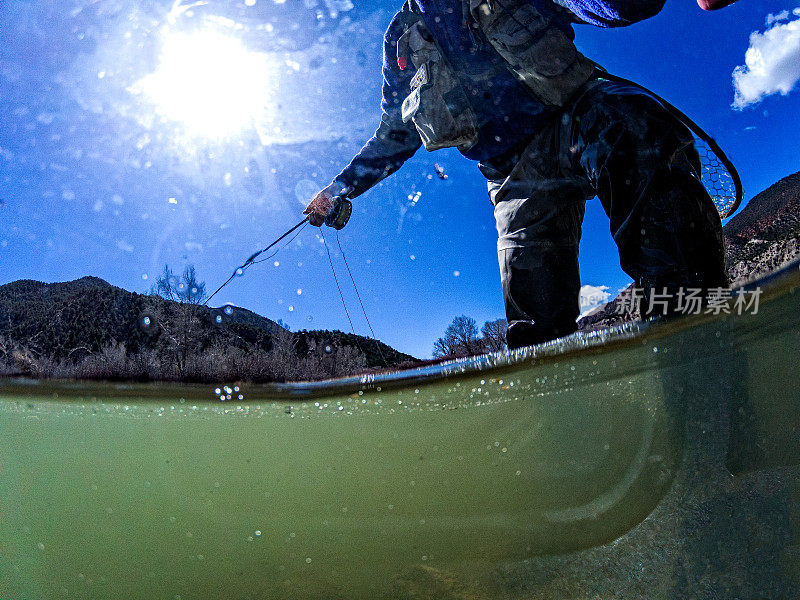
[[695, 129]]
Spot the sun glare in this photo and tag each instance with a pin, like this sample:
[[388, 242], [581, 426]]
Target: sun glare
[[210, 83]]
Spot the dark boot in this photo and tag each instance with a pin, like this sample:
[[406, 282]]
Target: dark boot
[[528, 333]]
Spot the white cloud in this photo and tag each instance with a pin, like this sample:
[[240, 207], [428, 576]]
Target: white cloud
[[781, 16], [593, 296], [772, 62]]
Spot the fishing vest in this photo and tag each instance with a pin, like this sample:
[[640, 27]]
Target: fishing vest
[[540, 54]]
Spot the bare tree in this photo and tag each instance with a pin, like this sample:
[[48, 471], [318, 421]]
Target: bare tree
[[460, 339], [494, 335], [186, 289], [7, 347], [445, 347], [182, 335]]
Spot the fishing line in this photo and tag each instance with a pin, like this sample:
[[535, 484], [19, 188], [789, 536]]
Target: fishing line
[[355, 287], [266, 258], [336, 279], [252, 260]]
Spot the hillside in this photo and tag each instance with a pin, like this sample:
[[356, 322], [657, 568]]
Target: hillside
[[50, 328], [762, 238]]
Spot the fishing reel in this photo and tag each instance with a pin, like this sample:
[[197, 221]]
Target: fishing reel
[[340, 215]]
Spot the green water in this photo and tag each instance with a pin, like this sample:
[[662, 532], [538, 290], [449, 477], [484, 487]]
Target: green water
[[423, 491]]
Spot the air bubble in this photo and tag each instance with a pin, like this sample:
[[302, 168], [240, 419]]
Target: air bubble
[[146, 321], [218, 318], [299, 291], [239, 272], [228, 310], [328, 349], [291, 308]]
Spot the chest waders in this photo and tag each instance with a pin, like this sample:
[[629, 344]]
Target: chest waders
[[615, 140]]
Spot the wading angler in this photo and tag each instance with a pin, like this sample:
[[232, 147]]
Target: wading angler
[[502, 81]]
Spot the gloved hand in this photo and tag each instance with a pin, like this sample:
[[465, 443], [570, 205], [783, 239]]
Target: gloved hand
[[322, 204]]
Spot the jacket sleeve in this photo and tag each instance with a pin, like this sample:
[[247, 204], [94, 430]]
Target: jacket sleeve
[[612, 13], [394, 142]]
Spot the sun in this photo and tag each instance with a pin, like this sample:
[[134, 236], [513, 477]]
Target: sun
[[210, 83]]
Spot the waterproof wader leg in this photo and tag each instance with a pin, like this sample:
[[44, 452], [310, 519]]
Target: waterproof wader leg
[[642, 163], [538, 214]]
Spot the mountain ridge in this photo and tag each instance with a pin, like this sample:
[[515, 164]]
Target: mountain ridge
[[52, 324]]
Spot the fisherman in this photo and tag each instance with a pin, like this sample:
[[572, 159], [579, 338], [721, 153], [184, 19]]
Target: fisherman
[[502, 81]]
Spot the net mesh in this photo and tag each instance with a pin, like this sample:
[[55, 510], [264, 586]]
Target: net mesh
[[716, 178]]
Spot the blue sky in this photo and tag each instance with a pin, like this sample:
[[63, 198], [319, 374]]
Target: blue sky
[[125, 144]]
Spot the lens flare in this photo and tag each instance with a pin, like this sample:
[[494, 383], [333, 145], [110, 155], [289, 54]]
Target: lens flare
[[210, 83]]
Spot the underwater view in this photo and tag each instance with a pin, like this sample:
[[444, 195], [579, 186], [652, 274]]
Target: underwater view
[[434, 299]]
